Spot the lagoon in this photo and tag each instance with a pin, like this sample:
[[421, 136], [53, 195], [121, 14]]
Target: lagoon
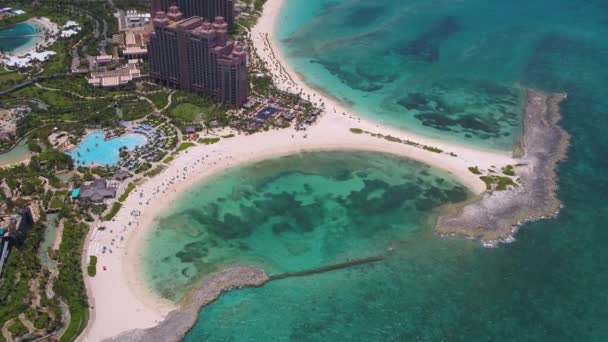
[[18, 154], [12, 38], [458, 66]]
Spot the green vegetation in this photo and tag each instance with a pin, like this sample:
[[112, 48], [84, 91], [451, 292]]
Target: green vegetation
[[10, 78], [113, 211], [209, 141], [184, 146], [497, 182], [134, 109], [130, 187], [186, 112], [187, 108], [228, 136], [475, 170], [92, 267], [160, 99], [70, 282], [259, 4], [508, 170], [262, 85], [393, 139], [432, 149], [400, 141], [41, 320], [169, 159], [17, 328], [154, 171], [141, 5], [56, 203], [143, 168], [22, 266], [15, 20]]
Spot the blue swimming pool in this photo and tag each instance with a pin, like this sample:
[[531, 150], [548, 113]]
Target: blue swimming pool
[[266, 113], [95, 150]]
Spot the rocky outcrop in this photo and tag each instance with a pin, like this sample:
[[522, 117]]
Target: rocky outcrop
[[178, 322], [495, 215]]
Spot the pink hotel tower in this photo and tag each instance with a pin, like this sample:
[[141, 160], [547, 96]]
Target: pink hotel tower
[[196, 55]]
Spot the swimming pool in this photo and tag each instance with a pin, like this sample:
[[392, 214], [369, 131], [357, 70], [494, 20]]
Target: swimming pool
[[95, 150]]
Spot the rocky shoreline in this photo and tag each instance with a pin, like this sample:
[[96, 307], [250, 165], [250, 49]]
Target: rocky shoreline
[[495, 215], [178, 322]]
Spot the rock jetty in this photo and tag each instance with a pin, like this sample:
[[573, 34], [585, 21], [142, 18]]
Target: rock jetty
[[178, 322]]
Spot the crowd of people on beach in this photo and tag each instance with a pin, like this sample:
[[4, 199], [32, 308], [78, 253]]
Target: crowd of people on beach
[[284, 80]]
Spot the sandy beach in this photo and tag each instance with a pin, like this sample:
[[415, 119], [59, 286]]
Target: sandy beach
[[121, 300], [23, 55]]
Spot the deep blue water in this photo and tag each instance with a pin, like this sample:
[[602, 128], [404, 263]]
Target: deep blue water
[[456, 69]]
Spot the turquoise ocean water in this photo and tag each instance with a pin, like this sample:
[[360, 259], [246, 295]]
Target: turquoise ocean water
[[449, 68], [11, 38]]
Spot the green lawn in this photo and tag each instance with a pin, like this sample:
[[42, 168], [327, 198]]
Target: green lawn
[[159, 99], [186, 107], [113, 211], [8, 78], [184, 146], [128, 190], [208, 141], [186, 112], [92, 267]]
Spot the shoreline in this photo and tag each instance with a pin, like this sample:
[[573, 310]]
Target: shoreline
[[43, 27], [121, 299], [123, 284], [496, 216], [263, 34]]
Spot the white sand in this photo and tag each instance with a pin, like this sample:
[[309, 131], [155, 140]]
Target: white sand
[[26, 55], [119, 295]]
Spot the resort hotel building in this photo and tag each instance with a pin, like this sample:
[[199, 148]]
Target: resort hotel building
[[199, 8], [196, 55]]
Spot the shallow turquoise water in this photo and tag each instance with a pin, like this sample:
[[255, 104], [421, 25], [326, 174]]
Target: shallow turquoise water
[[449, 69], [293, 214], [94, 149], [17, 154], [550, 284], [11, 38]]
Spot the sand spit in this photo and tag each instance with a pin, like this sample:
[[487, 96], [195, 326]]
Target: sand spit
[[178, 322], [495, 215]]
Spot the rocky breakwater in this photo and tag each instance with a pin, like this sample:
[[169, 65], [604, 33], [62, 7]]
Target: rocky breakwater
[[495, 215], [178, 322]]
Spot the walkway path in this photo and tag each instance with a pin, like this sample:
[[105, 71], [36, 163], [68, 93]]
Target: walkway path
[[5, 332]]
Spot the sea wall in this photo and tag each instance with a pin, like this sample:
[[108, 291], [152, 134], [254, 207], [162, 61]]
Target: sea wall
[[495, 215], [178, 322]]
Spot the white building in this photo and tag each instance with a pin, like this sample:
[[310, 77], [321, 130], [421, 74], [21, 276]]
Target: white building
[[132, 20]]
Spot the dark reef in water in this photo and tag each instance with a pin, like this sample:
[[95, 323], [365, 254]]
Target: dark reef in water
[[426, 46], [360, 78], [495, 214], [489, 114]]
